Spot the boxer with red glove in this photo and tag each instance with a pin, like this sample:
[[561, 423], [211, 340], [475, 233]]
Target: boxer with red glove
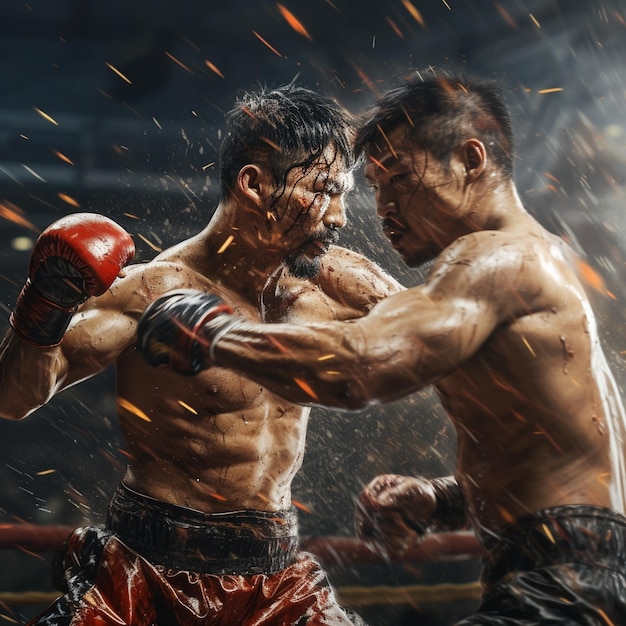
[[76, 257], [175, 328], [394, 512]]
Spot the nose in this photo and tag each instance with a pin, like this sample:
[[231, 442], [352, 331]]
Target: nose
[[386, 208], [335, 215]]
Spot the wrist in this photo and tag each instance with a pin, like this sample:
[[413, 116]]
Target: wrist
[[38, 320]]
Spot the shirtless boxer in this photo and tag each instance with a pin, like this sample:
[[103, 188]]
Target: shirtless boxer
[[202, 529], [503, 330]]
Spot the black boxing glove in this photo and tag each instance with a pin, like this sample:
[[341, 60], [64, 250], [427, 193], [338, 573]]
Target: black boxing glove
[[181, 328], [76, 257]]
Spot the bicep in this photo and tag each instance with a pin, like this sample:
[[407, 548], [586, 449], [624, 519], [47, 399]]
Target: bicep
[[97, 335], [412, 339]]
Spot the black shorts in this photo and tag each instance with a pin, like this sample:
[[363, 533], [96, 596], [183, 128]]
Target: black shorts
[[565, 565]]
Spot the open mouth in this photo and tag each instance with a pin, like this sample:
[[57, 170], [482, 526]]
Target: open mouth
[[393, 230]]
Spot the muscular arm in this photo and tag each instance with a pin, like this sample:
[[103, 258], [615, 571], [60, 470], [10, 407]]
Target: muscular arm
[[409, 340], [30, 375], [405, 343]]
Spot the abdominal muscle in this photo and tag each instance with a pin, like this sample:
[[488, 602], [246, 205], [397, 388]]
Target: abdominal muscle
[[214, 442]]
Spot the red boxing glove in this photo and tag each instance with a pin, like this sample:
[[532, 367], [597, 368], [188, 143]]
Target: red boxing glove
[[78, 256]]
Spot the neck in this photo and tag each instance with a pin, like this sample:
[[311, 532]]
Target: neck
[[238, 251]]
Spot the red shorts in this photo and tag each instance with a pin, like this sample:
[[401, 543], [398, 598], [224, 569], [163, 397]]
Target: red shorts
[[106, 582], [128, 590]]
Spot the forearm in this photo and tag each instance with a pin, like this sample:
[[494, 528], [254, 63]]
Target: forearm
[[29, 376], [318, 364]]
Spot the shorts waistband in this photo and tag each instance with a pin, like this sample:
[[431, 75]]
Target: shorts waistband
[[178, 538], [564, 534]]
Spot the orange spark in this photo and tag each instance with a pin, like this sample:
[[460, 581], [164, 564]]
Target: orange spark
[[394, 27], [326, 357], [128, 455], [63, 157], [378, 163], [415, 14], [619, 18], [179, 63], [46, 472], [506, 516], [266, 43], [528, 346], [365, 78], [7, 618], [135, 410], [543, 432], [382, 132], [505, 15], [45, 116], [208, 165], [271, 143], [305, 387], [408, 117], [279, 346], [550, 90], [68, 199], [548, 533], [606, 618], [519, 417], [30, 553], [186, 406], [13, 213], [225, 245], [301, 506], [552, 177], [534, 20], [217, 496], [213, 68], [593, 279], [293, 21], [116, 71], [152, 245]]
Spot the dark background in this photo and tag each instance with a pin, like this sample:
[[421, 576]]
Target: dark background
[[75, 136]]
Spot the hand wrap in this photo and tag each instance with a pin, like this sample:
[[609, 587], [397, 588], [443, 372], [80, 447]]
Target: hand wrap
[[181, 328]]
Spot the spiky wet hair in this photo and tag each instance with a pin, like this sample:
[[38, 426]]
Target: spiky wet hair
[[441, 110], [283, 128]]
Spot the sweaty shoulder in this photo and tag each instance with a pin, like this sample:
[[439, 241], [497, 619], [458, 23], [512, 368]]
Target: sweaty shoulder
[[519, 272], [139, 284], [347, 287], [353, 279]]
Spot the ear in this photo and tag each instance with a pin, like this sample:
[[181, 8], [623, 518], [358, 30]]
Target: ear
[[474, 156], [253, 183]]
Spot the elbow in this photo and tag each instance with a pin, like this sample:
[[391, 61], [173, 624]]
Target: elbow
[[12, 409], [13, 415]]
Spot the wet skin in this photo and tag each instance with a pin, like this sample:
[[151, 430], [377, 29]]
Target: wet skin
[[216, 441], [502, 328]]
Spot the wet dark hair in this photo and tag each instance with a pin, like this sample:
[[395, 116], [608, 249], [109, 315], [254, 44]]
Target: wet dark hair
[[284, 128], [442, 110]]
